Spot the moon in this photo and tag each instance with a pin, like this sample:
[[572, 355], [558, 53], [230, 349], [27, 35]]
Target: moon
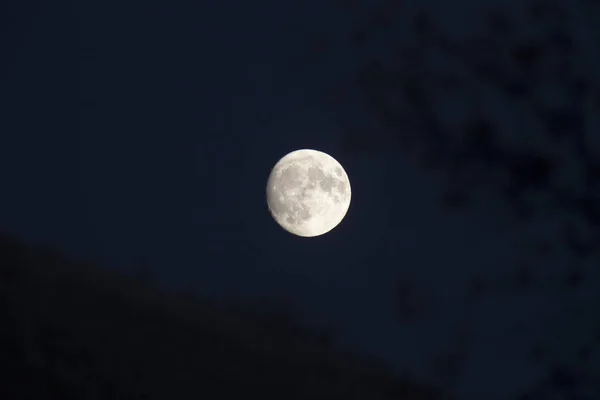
[[308, 193]]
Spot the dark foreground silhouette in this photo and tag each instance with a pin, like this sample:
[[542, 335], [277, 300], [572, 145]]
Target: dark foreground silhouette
[[70, 330]]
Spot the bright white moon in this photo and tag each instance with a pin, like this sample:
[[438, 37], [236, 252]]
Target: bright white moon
[[308, 193]]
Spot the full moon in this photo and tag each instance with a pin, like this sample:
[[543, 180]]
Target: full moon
[[308, 193]]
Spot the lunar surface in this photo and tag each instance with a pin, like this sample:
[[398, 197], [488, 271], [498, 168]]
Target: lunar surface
[[308, 193]]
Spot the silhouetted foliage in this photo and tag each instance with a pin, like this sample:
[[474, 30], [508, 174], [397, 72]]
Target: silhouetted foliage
[[528, 136], [72, 330]]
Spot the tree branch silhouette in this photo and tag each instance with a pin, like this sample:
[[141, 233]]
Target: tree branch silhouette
[[526, 88]]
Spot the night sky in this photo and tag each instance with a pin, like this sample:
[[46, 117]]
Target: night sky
[[143, 132]]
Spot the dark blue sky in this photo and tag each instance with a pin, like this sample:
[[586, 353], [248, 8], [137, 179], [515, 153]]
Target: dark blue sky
[[145, 131]]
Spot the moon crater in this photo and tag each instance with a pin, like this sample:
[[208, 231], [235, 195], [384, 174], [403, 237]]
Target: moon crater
[[308, 193]]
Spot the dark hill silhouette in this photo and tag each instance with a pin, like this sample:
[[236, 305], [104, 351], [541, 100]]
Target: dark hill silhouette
[[72, 330]]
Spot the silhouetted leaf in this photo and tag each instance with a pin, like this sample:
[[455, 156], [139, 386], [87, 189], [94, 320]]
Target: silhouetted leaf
[[531, 170], [538, 352], [360, 37], [523, 276], [421, 24], [574, 277], [562, 122], [408, 303], [526, 55], [477, 287], [454, 199], [563, 379], [498, 22]]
